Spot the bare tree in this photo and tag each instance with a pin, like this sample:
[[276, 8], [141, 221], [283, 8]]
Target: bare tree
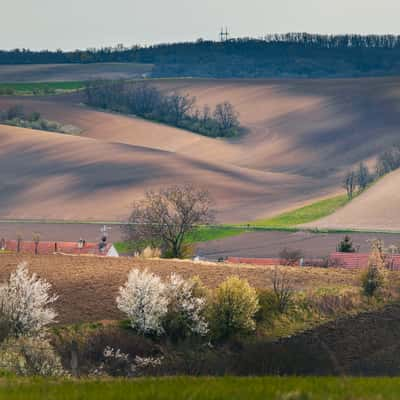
[[283, 290], [164, 218], [179, 106], [290, 257], [19, 242], [36, 241], [143, 99], [226, 116], [364, 177], [350, 183]]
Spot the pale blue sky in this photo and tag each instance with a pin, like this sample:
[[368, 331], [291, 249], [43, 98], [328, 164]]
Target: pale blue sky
[[71, 24]]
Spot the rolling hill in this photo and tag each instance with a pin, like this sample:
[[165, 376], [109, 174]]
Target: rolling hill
[[71, 72], [54, 176], [302, 135], [375, 209]]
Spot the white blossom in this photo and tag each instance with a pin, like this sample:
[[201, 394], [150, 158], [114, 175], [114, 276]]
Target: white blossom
[[24, 303], [182, 301], [143, 300]]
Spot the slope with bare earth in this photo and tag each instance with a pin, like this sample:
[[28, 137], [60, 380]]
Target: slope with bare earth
[[88, 286], [71, 72], [375, 209], [54, 176], [302, 135], [312, 127]]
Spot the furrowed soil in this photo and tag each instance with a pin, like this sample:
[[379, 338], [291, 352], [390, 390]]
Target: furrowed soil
[[71, 72], [302, 136], [87, 286]]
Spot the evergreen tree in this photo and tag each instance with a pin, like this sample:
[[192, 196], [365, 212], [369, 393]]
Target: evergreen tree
[[346, 245]]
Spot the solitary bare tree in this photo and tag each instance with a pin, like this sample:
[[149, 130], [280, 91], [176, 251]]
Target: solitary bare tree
[[164, 218], [36, 241], [283, 290], [19, 242], [350, 183]]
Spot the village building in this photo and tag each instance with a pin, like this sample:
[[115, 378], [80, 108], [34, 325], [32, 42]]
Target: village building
[[81, 247]]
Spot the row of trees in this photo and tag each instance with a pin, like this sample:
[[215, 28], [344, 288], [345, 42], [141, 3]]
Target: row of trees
[[171, 108], [356, 181], [297, 54], [16, 116]]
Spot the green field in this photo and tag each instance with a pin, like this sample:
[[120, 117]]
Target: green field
[[206, 234], [268, 388], [203, 234], [303, 215], [286, 221], [39, 88]]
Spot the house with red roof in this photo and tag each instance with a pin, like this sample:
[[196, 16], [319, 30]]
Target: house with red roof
[[80, 247], [360, 260]]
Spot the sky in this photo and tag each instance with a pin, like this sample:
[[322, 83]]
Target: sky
[[71, 24]]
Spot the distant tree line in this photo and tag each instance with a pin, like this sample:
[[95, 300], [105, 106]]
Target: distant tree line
[[292, 54], [358, 180], [171, 108]]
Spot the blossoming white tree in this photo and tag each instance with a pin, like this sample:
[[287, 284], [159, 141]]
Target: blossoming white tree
[[184, 308], [25, 303], [155, 307], [144, 301]]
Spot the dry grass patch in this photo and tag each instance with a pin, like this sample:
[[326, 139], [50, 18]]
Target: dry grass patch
[[87, 286]]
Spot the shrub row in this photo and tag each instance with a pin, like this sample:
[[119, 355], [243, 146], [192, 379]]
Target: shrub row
[[16, 116], [170, 108]]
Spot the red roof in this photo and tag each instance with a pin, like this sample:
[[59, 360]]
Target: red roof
[[360, 260], [57, 247], [338, 260]]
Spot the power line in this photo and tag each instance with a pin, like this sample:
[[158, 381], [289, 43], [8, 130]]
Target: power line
[[224, 34]]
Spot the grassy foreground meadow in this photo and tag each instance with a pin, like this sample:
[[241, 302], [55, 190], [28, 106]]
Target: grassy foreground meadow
[[229, 388]]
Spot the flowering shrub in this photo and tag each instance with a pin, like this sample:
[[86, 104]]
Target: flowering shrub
[[185, 309], [153, 307], [24, 303], [30, 356], [234, 307], [117, 363], [144, 301]]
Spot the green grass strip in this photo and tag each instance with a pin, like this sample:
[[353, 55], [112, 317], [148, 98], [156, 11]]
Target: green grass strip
[[202, 234], [39, 88], [205, 234], [184, 388], [303, 215]]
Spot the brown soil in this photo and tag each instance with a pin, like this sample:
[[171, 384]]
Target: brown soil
[[302, 136], [376, 208], [54, 176], [87, 286], [270, 244], [71, 72]]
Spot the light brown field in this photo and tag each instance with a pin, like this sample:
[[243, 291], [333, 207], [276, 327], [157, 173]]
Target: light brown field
[[375, 209], [71, 72], [53, 176], [302, 136], [87, 286]]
